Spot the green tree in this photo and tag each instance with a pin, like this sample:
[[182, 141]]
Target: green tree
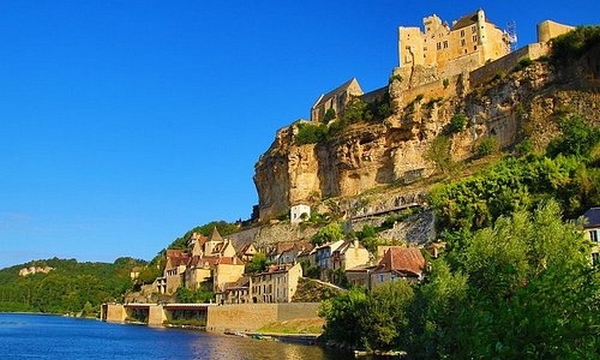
[[438, 153], [258, 263], [328, 233], [342, 310], [386, 319]]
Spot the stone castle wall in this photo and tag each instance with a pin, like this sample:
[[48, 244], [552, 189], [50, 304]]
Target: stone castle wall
[[505, 64]]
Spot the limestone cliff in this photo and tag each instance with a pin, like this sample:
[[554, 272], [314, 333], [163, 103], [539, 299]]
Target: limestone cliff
[[497, 101]]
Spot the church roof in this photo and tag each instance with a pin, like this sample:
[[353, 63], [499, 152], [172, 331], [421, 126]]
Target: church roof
[[467, 20], [340, 89], [215, 236]]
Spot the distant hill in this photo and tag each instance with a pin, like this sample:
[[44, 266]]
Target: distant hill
[[64, 286]]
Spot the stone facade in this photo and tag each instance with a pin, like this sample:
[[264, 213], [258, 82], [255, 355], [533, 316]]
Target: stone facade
[[277, 285], [351, 254], [473, 37], [335, 101]]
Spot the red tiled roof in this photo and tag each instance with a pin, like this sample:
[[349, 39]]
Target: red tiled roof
[[403, 259]]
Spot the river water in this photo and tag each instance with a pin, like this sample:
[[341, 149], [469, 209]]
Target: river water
[[28, 336]]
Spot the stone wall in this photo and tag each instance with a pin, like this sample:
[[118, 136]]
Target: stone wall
[[250, 317], [505, 64]]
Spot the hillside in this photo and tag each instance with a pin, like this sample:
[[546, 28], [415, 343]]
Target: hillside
[[68, 286]]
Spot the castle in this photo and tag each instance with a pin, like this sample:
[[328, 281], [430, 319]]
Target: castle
[[444, 51]]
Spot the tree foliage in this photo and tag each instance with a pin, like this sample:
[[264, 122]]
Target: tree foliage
[[258, 263], [328, 233], [72, 287], [311, 133], [522, 287], [573, 44]]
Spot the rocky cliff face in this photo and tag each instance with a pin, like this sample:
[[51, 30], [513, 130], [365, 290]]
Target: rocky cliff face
[[369, 154]]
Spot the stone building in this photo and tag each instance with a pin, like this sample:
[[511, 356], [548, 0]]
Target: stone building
[[468, 44], [276, 285], [351, 254], [335, 101]]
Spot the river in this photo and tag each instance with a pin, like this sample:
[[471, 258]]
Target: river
[[29, 336]]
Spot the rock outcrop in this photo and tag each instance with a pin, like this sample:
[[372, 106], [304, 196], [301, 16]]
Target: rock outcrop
[[509, 106]]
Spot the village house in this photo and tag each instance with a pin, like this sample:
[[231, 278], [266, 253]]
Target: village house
[[349, 255], [398, 263], [360, 275], [173, 275], [247, 252], [290, 254], [237, 292], [277, 284], [323, 258], [591, 229], [211, 259]]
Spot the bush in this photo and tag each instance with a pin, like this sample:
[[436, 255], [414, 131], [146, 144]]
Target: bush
[[522, 64], [486, 147], [574, 43], [329, 115], [357, 111], [311, 134], [456, 124]]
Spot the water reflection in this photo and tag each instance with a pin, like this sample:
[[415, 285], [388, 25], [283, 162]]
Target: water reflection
[[223, 347]]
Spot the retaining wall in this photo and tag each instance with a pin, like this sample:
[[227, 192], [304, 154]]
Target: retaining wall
[[250, 317]]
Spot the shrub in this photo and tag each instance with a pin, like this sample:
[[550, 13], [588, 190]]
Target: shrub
[[357, 111], [486, 147], [574, 43], [311, 134], [456, 124], [522, 64], [329, 115]]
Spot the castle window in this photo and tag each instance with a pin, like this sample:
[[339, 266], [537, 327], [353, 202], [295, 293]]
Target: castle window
[[473, 29], [474, 38], [462, 33], [475, 47], [439, 46], [445, 44], [462, 42]]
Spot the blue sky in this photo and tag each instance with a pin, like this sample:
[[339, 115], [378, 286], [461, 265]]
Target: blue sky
[[123, 124]]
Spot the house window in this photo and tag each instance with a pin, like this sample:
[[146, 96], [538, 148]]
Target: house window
[[381, 278], [594, 235], [595, 258]]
